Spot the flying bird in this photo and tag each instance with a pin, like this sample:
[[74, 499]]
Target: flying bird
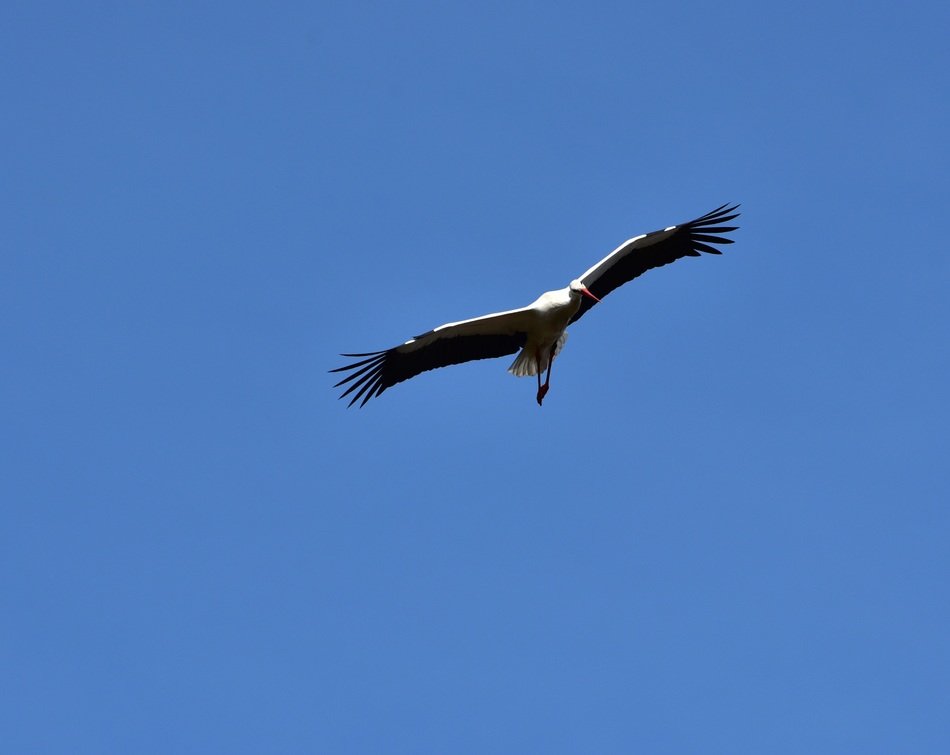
[[538, 330]]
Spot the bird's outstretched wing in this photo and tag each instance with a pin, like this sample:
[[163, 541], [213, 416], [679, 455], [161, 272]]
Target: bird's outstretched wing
[[494, 335], [637, 255]]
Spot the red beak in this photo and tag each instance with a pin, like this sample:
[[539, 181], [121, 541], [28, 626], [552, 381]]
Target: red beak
[[586, 292]]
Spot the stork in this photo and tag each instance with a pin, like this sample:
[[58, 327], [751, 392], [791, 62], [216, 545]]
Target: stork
[[538, 330]]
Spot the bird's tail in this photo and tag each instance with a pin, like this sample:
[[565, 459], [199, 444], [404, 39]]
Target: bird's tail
[[526, 364]]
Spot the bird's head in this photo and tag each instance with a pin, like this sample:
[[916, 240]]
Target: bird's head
[[579, 289]]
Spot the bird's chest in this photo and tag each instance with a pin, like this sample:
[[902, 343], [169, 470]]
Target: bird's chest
[[552, 318]]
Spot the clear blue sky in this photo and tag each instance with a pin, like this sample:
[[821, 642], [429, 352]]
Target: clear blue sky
[[726, 530]]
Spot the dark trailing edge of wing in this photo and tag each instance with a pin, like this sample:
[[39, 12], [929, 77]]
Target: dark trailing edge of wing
[[378, 370], [688, 240]]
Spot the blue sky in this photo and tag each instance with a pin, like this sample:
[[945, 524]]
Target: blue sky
[[725, 531]]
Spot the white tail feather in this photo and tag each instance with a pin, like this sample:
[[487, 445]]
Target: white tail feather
[[525, 363]]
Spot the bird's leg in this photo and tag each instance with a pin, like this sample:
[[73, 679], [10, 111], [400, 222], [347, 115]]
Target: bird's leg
[[542, 389], [547, 380]]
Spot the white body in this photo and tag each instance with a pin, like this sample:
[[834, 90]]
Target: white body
[[548, 317], [544, 321]]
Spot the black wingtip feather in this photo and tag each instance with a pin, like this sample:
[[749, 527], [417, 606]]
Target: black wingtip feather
[[372, 357], [720, 229], [705, 231], [356, 374], [720, 215], [369, 385], [711, 239], [721, 210]]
